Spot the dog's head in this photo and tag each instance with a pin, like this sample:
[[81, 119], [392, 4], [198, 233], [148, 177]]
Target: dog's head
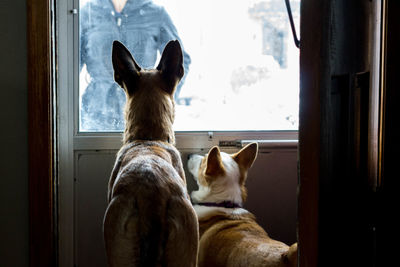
[[221, 176], [149, 110]]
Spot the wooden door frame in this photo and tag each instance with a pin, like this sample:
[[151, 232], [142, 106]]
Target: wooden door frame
[[42, 203], [311, 80], [387, 224], [42, 226], [317, 74]]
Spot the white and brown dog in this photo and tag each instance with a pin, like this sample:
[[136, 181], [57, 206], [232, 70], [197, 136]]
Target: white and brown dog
[[149, 220], [229, 234]]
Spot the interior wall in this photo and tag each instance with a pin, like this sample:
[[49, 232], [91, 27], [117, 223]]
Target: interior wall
[[14, 244]]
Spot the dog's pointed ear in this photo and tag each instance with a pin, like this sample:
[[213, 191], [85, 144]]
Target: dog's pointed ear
[[126, 70], [171, 65], [214, 163], [246, 156]]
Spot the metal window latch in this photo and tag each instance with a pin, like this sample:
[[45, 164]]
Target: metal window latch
[[230, 143], [210, 136], [289, 11], [74, 11]]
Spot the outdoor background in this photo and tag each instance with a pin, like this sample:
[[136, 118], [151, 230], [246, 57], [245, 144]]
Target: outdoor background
[[244, 73]]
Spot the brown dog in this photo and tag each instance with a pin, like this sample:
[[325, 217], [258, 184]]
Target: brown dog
[[229, 234], [149, 220]]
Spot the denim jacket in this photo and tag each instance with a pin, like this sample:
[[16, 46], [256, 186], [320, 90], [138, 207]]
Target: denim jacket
[[144, 28]]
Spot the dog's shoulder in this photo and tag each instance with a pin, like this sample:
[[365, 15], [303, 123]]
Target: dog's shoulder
[[146, 147], [144, 158], [218, 218], [117, 166], [206, 212]]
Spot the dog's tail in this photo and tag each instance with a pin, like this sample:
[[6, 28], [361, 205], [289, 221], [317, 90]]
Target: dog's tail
[[290, 256], [133, 236], [151, 231]]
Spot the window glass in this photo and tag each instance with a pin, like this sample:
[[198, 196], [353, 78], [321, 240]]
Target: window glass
[[241, 64]]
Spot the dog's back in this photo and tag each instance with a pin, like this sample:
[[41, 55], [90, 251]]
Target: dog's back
[[149, 220], [149, 216], [237, 240]]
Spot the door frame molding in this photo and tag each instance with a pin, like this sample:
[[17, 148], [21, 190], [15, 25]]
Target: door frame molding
[[42, 225], [43, 229]]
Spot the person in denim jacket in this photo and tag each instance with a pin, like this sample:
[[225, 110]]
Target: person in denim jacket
[[144, 27]]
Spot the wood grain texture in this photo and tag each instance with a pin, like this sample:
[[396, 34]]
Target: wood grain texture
[[312, 31], [41, 201], [334, 200], [387, 224]]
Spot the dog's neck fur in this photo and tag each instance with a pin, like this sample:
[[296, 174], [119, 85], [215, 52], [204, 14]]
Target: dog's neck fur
[[204, 211], [149, 116]]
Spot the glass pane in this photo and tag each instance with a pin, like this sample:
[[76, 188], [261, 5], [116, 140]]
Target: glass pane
[[241, 64]]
